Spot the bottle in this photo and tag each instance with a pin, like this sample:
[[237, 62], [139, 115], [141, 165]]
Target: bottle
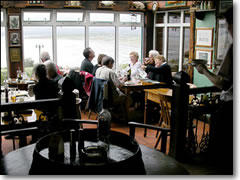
[[104, 125], [129, 73], [6, 91], [19, 75]]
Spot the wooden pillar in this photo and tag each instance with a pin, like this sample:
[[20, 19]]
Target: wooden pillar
[[179, 117], [191, 43], [148, 35]]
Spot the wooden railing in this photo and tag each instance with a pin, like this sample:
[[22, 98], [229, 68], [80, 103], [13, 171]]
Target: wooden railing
[[183, 141]]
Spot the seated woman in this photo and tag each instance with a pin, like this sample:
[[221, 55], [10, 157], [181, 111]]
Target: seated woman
[[52, 71], [99, 64], [44, 88], [161, 72]]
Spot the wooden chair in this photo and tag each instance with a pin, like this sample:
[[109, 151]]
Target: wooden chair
[[162, 137], [165, 111]]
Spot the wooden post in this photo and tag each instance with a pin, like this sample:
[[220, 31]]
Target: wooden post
[[179, 117]]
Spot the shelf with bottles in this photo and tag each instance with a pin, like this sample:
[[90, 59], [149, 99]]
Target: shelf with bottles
[[35, 4], [72, 4]]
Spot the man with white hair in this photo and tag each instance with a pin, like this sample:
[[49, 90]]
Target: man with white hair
[[150, 62], [46, 57]]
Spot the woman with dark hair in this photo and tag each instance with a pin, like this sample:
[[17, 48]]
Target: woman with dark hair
[[99, 64], [44, 88]]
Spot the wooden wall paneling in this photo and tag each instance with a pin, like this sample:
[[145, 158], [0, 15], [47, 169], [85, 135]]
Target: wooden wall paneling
[[13, 66]]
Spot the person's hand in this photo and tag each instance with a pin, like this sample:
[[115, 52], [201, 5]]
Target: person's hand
[[123, 79], [201, 68], [143, 67]]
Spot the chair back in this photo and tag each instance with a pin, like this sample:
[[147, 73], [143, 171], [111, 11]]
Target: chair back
[[165, 111]]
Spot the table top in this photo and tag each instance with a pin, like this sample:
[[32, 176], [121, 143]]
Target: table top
[[19, 162]]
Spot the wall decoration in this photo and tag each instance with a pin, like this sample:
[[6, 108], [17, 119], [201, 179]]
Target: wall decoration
[[14, 39], [14, 22], [204, 37], [204, 54], [225, 5], [137, 5], [172, 4], [106, 4], [15, 54]]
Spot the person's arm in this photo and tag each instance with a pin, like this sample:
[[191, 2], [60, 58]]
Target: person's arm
[[154, 69], [218, 81]]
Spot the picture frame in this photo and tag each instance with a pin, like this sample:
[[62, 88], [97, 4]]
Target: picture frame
[[204, 54], [14, 39], [15, 54], [204, 37], [173, 4], [14, 22]]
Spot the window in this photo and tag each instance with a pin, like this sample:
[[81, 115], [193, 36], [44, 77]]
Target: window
[[101, 17], [4, 72], [171, 37], [65, 34], [129, 40], [130, 18], [102, 40], [35, 40], [36, 16], [66, 16], [70, 45]]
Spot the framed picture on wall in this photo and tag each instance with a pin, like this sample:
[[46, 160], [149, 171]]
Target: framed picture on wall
[[14, 39], [14, 22], [15, 54], [204, 37], [205, 54]]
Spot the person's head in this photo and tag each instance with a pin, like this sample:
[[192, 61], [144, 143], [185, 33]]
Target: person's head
[[133, 56], [108, 61], [89, 53], [51, 69], [40, 71], [44, 56], [159, 60], [100, 57], [153, 54], [229, 18]]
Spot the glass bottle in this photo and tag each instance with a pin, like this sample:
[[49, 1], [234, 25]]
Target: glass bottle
[[129, 73], [19, 75], [6, 90], [104, 125]]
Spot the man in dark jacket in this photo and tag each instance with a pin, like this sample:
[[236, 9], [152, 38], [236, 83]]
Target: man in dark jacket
[[86, 65]]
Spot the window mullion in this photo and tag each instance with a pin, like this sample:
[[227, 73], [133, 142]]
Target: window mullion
[[166, 36], [181, 43]]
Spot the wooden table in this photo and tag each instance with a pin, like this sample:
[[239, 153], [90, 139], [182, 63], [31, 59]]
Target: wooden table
[[138, 86], [23, 85], [156, 163], [153, 95]]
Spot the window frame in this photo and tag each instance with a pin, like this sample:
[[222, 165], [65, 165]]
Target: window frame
[[4, 25], [167, 25], [86, 23]]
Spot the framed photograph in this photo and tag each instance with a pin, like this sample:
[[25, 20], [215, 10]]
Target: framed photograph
[[173, 4], [14, 22], [14, 39], [15, 54], [204, 37], [204, 54]]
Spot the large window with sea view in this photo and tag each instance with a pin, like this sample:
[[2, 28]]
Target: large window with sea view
[[4, 72], [68, 33]]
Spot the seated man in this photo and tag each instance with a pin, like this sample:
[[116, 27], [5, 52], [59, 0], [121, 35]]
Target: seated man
[[86, 64], [161, 72], [150, 62], [44, 88], [106, 72]]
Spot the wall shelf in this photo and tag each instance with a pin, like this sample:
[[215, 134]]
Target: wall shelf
[[34, 5]]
